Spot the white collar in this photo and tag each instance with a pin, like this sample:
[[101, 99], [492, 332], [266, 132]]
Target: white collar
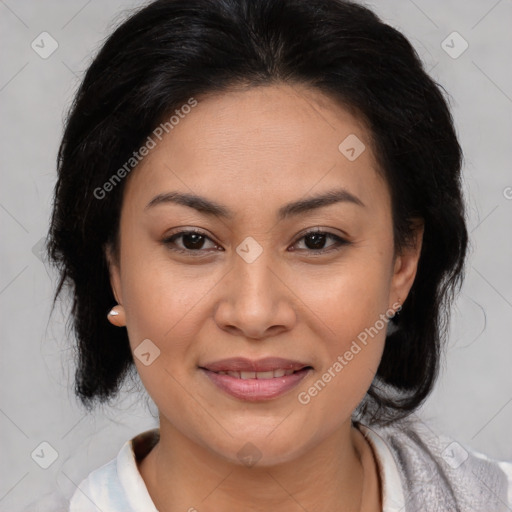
[[137, 495]]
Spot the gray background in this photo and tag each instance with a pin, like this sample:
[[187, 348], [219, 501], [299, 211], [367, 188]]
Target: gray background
[[472, 400]]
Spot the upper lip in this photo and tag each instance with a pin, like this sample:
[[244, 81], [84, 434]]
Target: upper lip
[[241, 364]]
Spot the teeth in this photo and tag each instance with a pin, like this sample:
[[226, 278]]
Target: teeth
[[265, 375], [258, 375]]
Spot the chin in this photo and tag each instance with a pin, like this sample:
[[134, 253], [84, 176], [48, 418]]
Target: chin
[[258, 448]]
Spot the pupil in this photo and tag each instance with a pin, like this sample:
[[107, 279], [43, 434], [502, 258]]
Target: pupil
[[197, 241], [320, 239]]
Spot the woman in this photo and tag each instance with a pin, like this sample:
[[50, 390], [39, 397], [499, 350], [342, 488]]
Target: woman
[[259, 207]]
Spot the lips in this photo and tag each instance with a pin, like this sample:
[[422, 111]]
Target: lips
[[256, 380]]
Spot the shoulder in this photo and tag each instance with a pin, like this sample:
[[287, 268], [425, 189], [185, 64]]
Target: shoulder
[[438, 473], [117, 486]]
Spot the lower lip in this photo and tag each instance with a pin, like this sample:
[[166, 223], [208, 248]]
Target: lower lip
[[254, 390]]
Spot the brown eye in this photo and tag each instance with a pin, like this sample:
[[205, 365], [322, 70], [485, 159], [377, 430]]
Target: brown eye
[[191, 241], [194, 241], [315, 241]]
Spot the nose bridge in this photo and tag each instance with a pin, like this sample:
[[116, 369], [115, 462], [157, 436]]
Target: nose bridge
[[253, 268], [254, 302]]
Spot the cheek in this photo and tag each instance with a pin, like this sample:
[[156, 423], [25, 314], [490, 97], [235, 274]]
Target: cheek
[[350, 357], [163, 301], [159, 303], [346, 298], [159, 296], [352, 325]]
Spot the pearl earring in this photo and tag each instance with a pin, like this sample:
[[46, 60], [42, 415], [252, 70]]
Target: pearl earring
[[116, 316]]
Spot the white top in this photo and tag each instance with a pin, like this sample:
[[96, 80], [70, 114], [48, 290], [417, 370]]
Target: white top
[[118, 485]]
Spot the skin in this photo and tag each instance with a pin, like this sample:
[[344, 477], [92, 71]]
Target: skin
[[254, 151]]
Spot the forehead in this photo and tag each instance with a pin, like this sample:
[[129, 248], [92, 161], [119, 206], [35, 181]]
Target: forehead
[[261, 143]]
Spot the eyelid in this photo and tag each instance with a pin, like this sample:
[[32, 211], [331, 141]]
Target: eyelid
[[321, 230]]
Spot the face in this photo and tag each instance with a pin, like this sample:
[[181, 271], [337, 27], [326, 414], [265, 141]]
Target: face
[[311, 284]]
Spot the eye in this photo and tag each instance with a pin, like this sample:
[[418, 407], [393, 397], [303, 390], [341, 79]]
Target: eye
[[315, 240], [192, 241]]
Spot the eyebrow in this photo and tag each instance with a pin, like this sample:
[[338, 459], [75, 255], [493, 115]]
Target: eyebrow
[[214, 209]]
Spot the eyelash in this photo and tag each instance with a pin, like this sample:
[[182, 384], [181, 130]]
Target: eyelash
[[340, 242]]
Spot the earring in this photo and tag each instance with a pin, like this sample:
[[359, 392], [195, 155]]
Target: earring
[[116, 316]]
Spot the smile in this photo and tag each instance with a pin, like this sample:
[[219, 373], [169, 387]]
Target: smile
[[256, 386], [258, 375]]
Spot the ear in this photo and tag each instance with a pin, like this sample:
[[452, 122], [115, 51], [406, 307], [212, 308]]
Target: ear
[[115, 274], [406, 264]]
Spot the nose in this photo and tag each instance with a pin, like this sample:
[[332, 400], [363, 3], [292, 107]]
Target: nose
[[256, 301]]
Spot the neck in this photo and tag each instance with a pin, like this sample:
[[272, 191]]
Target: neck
[[181, 474]]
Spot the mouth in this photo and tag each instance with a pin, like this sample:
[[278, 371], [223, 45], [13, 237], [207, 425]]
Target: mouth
[[242, 365], [271, 374], [252, 380]]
